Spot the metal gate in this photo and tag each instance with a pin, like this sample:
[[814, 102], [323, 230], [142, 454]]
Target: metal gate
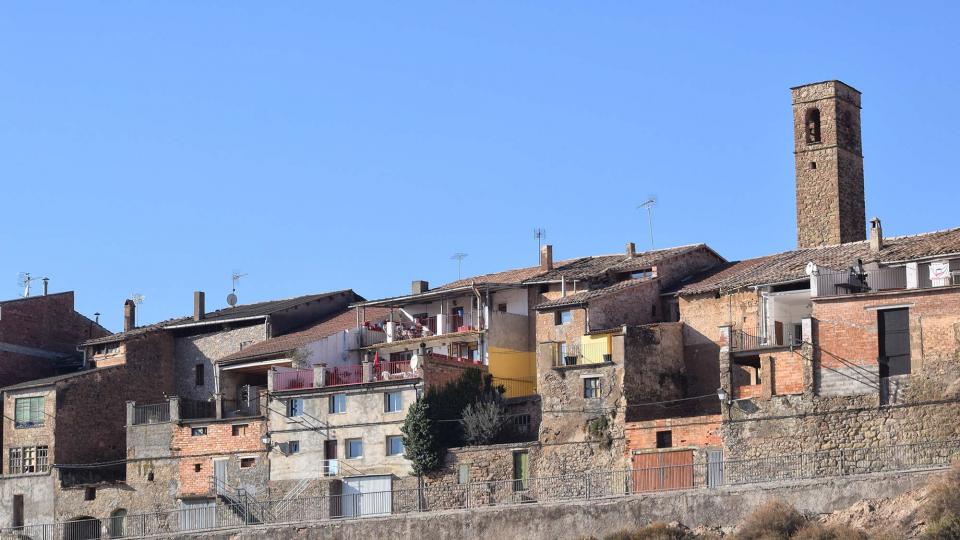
[[663, 471]]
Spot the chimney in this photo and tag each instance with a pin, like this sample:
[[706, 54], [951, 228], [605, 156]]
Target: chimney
[[419, 286], [46, 285], [876, 236], [198, 311], [129, 316], [631, 250], [546, 257]]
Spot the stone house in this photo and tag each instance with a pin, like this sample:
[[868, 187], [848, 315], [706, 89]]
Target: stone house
[[845, 342], [606, 345]]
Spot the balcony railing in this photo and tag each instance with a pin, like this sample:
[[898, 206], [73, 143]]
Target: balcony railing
[[516, 387], [191, 409], [843, 282], [151, 414], [742, 341], [581, 354], [340, 375], [292, 379]]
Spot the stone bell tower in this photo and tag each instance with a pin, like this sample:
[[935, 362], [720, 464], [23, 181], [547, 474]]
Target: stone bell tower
[[829, 164]]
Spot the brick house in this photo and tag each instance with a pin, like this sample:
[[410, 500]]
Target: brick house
[[844, 342]]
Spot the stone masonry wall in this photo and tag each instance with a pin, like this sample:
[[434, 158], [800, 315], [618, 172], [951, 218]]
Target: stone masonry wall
[[206, 349]]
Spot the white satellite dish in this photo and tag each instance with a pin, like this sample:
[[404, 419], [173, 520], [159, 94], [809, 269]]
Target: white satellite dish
[[811, 268], [414, 362], [232, 299]]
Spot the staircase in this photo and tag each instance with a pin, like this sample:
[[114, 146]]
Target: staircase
[[239, 501]]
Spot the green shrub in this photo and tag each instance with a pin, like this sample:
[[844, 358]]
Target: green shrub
[[775, 520]]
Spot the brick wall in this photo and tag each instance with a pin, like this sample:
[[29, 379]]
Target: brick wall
[[219, 442], [692, 431], [91, 406], [703, 315]]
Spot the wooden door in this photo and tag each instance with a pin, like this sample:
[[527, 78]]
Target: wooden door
[[662, 471], [894, 334]]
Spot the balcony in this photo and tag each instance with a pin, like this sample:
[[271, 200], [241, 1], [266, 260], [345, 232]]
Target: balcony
[[742, 341], [827, 282], [581, 354], [421, 328], [320, 376]]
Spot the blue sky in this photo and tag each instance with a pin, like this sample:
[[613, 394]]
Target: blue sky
[[155, 147]]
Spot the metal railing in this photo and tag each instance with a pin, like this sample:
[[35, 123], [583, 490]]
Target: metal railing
[[742, 341], [151, 414], [843, 282], [516, 387], [579, 354], [341, 375], [372, 336], [292, 379], [192, 409], [700, 474]]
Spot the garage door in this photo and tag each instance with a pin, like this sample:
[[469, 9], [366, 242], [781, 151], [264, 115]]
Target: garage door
[[661, 471], [197, 514], [367, 496]]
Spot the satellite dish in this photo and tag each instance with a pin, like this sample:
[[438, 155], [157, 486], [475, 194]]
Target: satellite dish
[[232, 299], [811, 268], [414, 362]]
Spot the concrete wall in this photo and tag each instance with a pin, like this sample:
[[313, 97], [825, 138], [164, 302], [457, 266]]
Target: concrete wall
[[598, 518], [38, 496], [206, 349], [364, 419]]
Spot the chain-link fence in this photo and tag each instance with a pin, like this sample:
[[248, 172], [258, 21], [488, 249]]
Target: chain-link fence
[[247, 511]]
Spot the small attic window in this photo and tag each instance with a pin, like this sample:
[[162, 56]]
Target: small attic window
[[812, 126]]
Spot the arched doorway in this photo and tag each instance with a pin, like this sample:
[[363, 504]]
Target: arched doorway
[[117, 525]]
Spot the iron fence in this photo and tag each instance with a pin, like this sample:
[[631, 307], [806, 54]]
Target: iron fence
[[742, 341], [151, 414], [292, 379], [238, 509], [192, 409]]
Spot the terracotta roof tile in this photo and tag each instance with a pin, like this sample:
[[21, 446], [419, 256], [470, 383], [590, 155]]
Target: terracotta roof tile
[[791, 265], [600, 265], [332, 325], [584, 297]]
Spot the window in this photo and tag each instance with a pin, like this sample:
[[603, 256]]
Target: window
[[563, 317], [502, 308], [521, 470], [354, 448], [665, 439], [395, 445], [150, 476], [566, 359], [238, 430], [521, 423], [591, 387], [338, 403], [463, 473], [643, 274], [295, 407], [247, 462], [198, 431], [293, 447], [28, 412], [28, 459], [893, 329], [198, 375], [197, 467], [90, 494], [813, 126], [392, 402]]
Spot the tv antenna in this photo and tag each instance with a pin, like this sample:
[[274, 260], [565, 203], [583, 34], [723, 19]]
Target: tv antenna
[[24, 280], [540, 234], [232, 297], [137, 298], [648, 205], [459, 258]]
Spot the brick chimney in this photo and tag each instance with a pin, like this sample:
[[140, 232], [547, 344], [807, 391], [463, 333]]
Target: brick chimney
[[129, 315], [419, 286], [546, 257], [876, 236], [631, 250], [198, 306]]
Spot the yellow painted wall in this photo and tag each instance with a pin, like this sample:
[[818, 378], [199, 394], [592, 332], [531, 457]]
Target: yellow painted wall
[[592, 348], [514, 366]]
